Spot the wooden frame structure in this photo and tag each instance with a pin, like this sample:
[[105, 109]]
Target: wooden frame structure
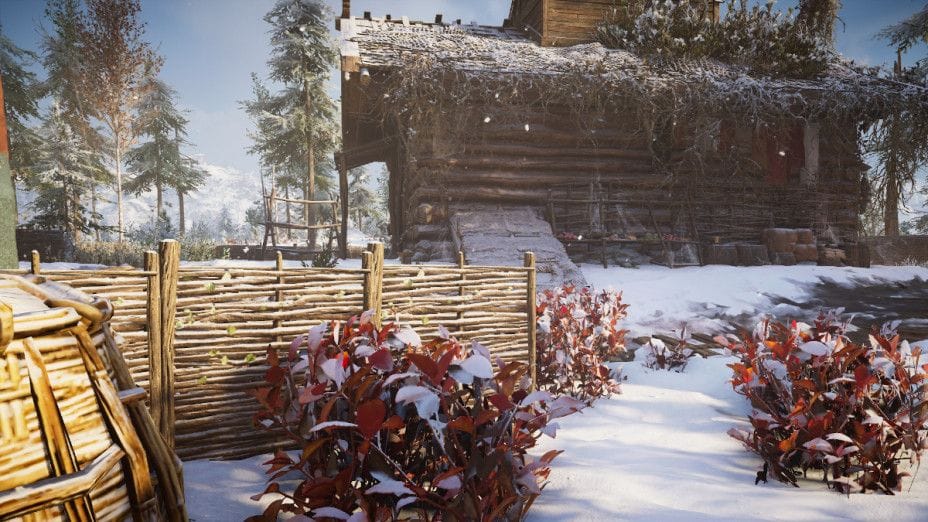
[[271, 225]]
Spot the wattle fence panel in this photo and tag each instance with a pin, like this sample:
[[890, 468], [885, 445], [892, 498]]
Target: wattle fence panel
[[225, 318]]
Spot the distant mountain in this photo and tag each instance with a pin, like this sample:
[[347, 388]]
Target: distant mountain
[[226, 189]]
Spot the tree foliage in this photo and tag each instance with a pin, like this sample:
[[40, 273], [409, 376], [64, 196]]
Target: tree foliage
[[118, 62], [63, 172], [763, 39], [159, 162], [21, 93], [296, 128]]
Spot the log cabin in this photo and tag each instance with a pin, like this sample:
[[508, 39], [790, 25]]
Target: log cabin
[[537, 113]]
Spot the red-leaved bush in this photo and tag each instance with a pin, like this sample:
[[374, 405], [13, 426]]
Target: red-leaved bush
[[578, 331], [672, 358], [390, 427], [854, 411]]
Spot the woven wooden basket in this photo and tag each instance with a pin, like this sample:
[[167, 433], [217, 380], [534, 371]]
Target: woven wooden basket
[[70, 446]]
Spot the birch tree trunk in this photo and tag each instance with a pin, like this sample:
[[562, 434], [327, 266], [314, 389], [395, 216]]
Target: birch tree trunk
[[119, 216]]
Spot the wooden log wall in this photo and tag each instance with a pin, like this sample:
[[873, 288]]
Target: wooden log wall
[[543, 153], [226, 318]]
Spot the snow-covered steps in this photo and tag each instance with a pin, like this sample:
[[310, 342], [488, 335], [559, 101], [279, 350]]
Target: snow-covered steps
[[500, 235]]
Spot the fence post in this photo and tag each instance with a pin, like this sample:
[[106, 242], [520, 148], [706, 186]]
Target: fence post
[[461, 292], [373, 291], [153, 312], [530, 309], [168, 273], [36, 262], [279, 294]]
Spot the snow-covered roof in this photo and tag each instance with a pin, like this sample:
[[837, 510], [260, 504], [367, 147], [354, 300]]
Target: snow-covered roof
[[377, 43]]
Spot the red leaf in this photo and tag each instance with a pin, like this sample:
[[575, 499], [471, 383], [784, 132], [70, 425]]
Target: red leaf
[[425, 364], [370, 417], [394, 423], [272, 358], [382, 360], [462, 423], [501, 401], [275, 374]]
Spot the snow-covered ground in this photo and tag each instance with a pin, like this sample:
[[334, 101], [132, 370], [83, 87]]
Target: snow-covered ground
[[658, 451]]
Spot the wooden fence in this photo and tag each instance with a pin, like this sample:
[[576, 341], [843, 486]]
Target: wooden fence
[[196, 337]]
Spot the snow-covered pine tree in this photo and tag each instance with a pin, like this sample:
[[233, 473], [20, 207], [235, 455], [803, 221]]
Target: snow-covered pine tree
[[157, 163], [117, 63], [63, 173], [21, 93], [302, 111], [63, 54]]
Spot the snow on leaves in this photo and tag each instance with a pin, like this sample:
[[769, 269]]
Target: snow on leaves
[[386, 430], [578, 331], [853, 411]]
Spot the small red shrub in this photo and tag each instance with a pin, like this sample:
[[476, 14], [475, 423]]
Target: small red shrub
[[390, 427], [671, 358], [822, 402], [578, 331]]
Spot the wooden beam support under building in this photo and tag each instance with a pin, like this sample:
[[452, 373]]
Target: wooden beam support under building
[[343, 195]]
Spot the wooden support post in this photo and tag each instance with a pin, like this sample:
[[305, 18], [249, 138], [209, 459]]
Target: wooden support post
[[530, 309], [170, 266], [153, 312], [343, 195], [376, 288], [461, 291], [36, 262], [367, 260], [279, 294]]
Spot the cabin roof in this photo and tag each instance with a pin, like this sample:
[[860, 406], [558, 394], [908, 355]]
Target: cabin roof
[[377, 43]]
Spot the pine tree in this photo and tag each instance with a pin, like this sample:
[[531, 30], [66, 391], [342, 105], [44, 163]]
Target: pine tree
[[366, 204], [21, 93], [895, 175], [190, 177], [302, 112], [117, 61], [63, 54], [157, 163], [63, 172]]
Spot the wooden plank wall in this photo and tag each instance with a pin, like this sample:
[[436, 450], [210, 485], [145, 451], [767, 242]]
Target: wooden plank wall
[[529, 15], [571, 22]]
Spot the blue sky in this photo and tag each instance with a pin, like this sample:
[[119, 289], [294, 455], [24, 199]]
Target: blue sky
[[212, 46]]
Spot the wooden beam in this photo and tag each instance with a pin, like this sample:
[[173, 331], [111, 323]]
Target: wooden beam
[[343, 195], [530, 308], [170, 267]]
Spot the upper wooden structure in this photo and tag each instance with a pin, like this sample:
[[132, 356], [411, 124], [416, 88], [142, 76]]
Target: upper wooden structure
[[551, 148]]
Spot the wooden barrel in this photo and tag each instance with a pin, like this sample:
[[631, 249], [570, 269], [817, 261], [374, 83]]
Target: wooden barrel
[[69, 449]]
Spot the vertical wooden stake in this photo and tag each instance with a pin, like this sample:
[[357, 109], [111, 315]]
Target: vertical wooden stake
[[170, 266], [376, 250], [36, 262], [530, 309], [461, 292], [279, 294], [153, 309], [367, 260]]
